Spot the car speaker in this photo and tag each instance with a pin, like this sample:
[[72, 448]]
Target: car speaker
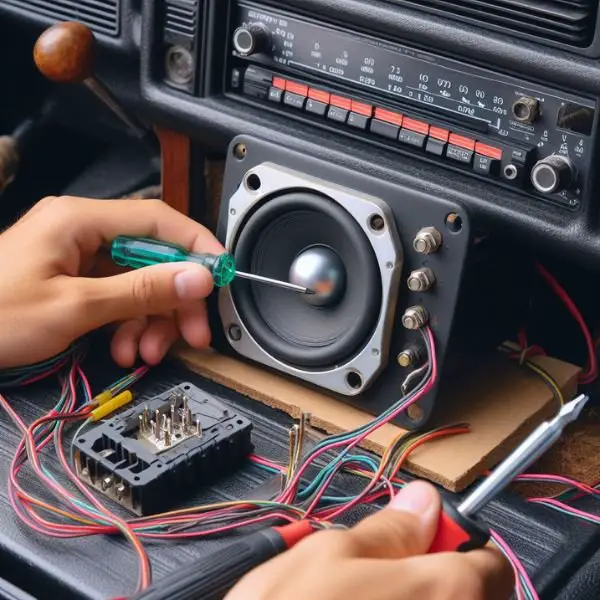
[[378, 257]]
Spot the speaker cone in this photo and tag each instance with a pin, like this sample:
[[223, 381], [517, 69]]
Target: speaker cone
[[309, 239]]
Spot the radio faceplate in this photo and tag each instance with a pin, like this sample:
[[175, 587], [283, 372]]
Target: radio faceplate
[[509, 132]]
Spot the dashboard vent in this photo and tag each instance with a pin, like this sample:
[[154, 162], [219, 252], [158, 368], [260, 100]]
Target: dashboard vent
[[569, 22], [181, 18], [101, 16]]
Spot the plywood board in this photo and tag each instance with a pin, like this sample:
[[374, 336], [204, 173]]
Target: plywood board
[[502, 403]]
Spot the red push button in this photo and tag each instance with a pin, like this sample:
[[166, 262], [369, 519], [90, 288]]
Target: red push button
[[462, 142], [319, 95], [341, 102], [362, 109], [279, 83], [296, 88], [489, 151], [388, 116], [439, 134], [414, 125]]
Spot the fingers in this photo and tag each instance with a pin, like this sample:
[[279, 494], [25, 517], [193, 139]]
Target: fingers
[[149, 291], [156, 341], [125, 342], [495, 573], [406, 528], [193, 325], [97, 222]]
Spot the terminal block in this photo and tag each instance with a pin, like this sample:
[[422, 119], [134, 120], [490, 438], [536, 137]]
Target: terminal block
[[154, 455]]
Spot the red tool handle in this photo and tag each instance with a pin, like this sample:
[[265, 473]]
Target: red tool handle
[[213, 577], [457, 533]]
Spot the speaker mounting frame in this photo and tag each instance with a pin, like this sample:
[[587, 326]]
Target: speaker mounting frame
[[352, 378]]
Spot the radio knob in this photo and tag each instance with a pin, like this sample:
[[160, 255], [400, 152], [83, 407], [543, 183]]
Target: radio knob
[[552, 175], [251, 39], [526, 109]]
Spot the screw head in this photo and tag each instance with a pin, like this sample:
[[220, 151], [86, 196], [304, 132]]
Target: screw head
[[421, 280], [427, 241], [406, 359], [414, 317], [234, 332]]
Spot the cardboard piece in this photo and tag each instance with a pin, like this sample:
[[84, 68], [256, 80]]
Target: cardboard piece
[[502, 403]]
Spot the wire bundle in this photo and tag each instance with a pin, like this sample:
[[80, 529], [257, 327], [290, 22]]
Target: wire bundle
[[301, 497]]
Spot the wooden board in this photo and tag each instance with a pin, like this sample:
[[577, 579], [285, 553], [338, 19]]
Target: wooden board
[[503, 404]]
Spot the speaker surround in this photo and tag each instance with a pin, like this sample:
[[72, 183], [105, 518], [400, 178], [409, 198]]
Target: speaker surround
[[275, 216]]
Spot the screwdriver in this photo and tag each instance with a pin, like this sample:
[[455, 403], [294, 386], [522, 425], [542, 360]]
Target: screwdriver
[[216, 575], [458, 528], [137, 253]]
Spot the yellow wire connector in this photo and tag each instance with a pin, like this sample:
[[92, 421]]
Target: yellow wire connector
[[103, 397], [111, 406]]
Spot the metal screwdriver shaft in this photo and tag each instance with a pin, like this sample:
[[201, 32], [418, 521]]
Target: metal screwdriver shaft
[[140, 252], [459, 530], [523, 457]]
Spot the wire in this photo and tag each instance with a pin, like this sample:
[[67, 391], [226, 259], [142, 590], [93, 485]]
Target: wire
[[591, 372], [79, 513]]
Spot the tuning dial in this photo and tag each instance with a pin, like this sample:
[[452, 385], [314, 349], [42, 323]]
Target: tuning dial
[[552, 175], [526, 109], [251, 39]]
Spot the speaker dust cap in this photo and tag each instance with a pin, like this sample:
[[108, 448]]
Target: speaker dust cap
[[343, 246]]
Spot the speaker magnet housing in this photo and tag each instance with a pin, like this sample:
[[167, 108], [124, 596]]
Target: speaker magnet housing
[[360, 349]]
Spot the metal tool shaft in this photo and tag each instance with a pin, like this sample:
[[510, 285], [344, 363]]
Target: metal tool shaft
[[273, 282], [523, 457]]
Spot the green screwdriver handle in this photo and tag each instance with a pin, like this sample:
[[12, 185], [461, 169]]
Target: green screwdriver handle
[[137, 253]]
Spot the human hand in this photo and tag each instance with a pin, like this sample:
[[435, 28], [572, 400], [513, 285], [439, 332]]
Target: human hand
[[382, 558], [49, 297]]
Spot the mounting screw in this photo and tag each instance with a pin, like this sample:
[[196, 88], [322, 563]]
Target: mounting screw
[[427, 241], [409, 357], [415, 317], [421, 280], [234, 332]]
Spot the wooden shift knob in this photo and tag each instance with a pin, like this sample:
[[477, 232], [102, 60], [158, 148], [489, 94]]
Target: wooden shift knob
[[65, 53]]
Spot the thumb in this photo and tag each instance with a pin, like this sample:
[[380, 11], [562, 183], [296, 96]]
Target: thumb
[[405, 528], [149, 291]]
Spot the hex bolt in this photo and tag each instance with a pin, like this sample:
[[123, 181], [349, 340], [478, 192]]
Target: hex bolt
[[421, 280], [409, 357], [415, 317], [427, 241]]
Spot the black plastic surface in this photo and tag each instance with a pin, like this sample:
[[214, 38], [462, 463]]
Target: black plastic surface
[[553, 547], [155, 478]]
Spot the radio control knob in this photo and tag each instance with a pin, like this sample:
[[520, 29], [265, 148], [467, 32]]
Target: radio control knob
[[552, 175], [526, 109], [251, 39]]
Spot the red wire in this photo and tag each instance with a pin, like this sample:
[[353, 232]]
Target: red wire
[[592, 367]]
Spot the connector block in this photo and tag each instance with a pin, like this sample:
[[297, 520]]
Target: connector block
[[152, 456]]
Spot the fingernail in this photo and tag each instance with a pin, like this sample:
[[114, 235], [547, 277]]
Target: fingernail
[[188, 285], [415, 498]]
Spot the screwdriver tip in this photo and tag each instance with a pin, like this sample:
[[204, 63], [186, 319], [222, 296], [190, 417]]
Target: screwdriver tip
[[571, 411]]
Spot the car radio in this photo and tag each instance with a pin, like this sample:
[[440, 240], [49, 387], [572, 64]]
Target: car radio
[[510, 132]]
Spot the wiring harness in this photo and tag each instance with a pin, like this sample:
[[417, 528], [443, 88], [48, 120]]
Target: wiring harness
[[307, 479]]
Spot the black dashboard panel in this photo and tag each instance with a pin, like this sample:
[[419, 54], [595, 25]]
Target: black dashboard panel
[[214, 116], [505, 130], [115, 23]]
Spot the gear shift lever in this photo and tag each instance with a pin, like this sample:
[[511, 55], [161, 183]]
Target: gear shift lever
[[64, 53]]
